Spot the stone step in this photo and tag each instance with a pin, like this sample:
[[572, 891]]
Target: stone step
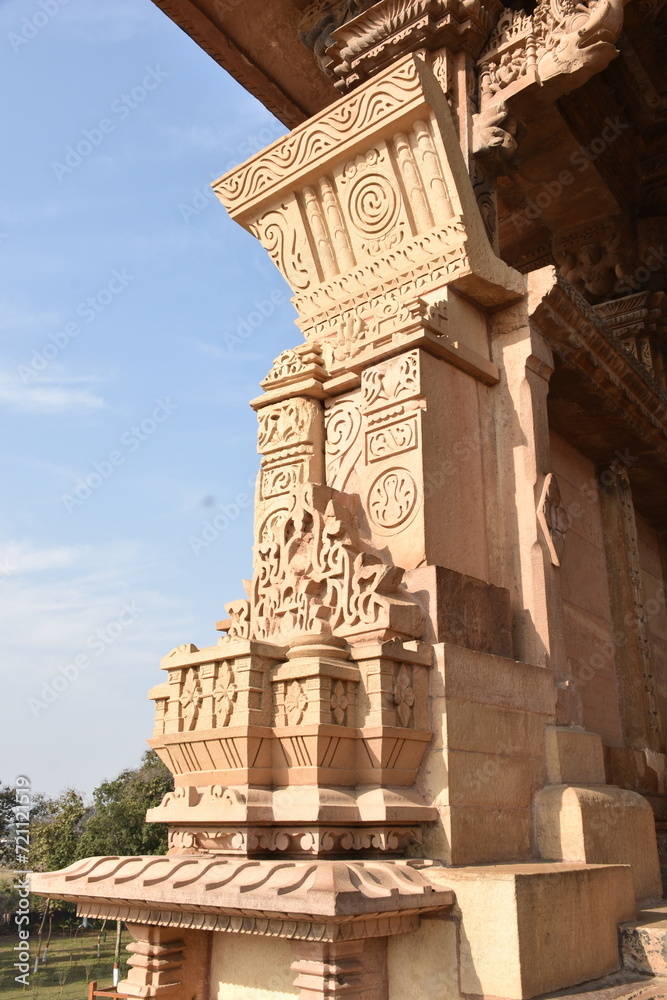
[[622, 985], [643, 942]]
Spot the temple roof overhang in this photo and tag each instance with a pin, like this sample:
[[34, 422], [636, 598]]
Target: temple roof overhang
[[258, 44]]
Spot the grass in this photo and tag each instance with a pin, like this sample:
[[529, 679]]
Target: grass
[[70, 965]]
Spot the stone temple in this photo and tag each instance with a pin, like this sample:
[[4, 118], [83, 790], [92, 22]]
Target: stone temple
[[425, 760]]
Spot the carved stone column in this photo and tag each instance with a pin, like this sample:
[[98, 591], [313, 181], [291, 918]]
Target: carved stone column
[[156, 962], [532, 522], [328, 970], [640, 719]]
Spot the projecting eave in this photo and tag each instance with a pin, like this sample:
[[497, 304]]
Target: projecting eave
[[602, 400], [305, 899], [258, 43]]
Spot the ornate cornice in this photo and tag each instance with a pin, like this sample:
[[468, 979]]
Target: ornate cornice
[[583, 339], [391, 28], [349, 123], [602, 397], [320, 900]]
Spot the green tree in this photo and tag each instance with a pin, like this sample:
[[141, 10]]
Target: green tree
[[7, 803], [117, 822], [56, 832]]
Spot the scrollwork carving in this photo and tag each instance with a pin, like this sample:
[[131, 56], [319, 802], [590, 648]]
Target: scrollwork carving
[[390, 382], [238, 624], [284, 244], [342, 423], [392, 499], [312, 576], [286, 423]]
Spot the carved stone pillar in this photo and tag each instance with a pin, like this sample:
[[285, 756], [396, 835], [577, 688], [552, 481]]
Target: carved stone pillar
[[156, 962], [327, 970], [640, 719], [290, 435], [533, 520]]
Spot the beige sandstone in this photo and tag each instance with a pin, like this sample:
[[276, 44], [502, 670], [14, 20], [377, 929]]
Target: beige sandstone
[[397, 771]]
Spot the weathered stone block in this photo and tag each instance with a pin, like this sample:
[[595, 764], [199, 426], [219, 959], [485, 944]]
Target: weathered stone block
[[527, 929], [600, 825], [574, 756], [462, 610]]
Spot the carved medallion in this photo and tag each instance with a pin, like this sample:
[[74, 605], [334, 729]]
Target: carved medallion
[[392, 499], [373, 205]]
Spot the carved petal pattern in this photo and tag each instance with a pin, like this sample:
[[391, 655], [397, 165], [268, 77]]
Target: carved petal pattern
[[339, 703], [296, 703], [404, 695], [225, 693]]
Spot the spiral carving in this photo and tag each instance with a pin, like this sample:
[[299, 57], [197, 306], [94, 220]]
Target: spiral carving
[[373, 205]]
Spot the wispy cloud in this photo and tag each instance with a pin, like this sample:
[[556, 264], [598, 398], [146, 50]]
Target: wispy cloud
[[199, 136], [18, 559], [52, 596], [46, 395], [209, 350], [18, 318]]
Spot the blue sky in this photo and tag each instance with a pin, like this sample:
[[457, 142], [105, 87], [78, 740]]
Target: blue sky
[[123, 382]]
